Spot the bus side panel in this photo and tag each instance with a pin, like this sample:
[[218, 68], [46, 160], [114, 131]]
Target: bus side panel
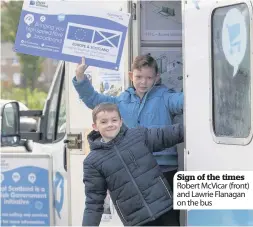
[[203, 153]]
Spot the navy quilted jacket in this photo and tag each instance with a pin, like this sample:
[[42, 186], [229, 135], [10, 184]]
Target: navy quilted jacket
[[126, 167]]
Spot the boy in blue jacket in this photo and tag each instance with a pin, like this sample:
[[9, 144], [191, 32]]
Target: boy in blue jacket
[[148, 103], [121, 162]]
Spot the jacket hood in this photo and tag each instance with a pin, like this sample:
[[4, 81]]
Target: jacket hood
[[94, 139]]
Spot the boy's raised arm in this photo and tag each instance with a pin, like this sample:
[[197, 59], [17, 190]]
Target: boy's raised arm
[[174, 102], [89, 96], [95, 191], [86, 91], [165, 137]]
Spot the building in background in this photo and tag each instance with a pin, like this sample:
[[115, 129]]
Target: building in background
[[11, 75]]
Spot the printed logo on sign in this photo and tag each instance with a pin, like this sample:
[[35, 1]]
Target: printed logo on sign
[[234, 38], [80, 34], [15, 176], [32, 3], [61, 17], [32, 178], [108, 39], [93, 42], [29, 19], [28, 35], [39, 3], [42, 18]]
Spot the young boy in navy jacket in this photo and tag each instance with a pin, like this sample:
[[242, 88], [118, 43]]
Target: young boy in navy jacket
[[121, 162]]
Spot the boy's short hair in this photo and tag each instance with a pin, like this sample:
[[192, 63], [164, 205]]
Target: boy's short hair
[[144, 60], [105, 106]]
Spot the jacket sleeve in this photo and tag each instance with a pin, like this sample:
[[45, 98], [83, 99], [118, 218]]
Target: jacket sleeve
[[158, 139], [95, 192], [89, 96], [174, 102]]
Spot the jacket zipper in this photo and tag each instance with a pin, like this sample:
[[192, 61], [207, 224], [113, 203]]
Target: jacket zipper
[[143, 100], [133, 158], [166, 187], [146, 205]]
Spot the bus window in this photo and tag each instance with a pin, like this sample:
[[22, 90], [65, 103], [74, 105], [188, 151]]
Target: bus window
[[231, 73]]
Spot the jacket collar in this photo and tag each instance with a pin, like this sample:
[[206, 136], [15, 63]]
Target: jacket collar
[[94, 139], [131, 90]]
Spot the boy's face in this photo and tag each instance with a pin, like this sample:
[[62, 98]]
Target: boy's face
[[143, 79], [108, 123]]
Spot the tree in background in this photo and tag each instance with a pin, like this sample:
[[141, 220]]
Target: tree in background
[[31, 66], [35, 98]]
